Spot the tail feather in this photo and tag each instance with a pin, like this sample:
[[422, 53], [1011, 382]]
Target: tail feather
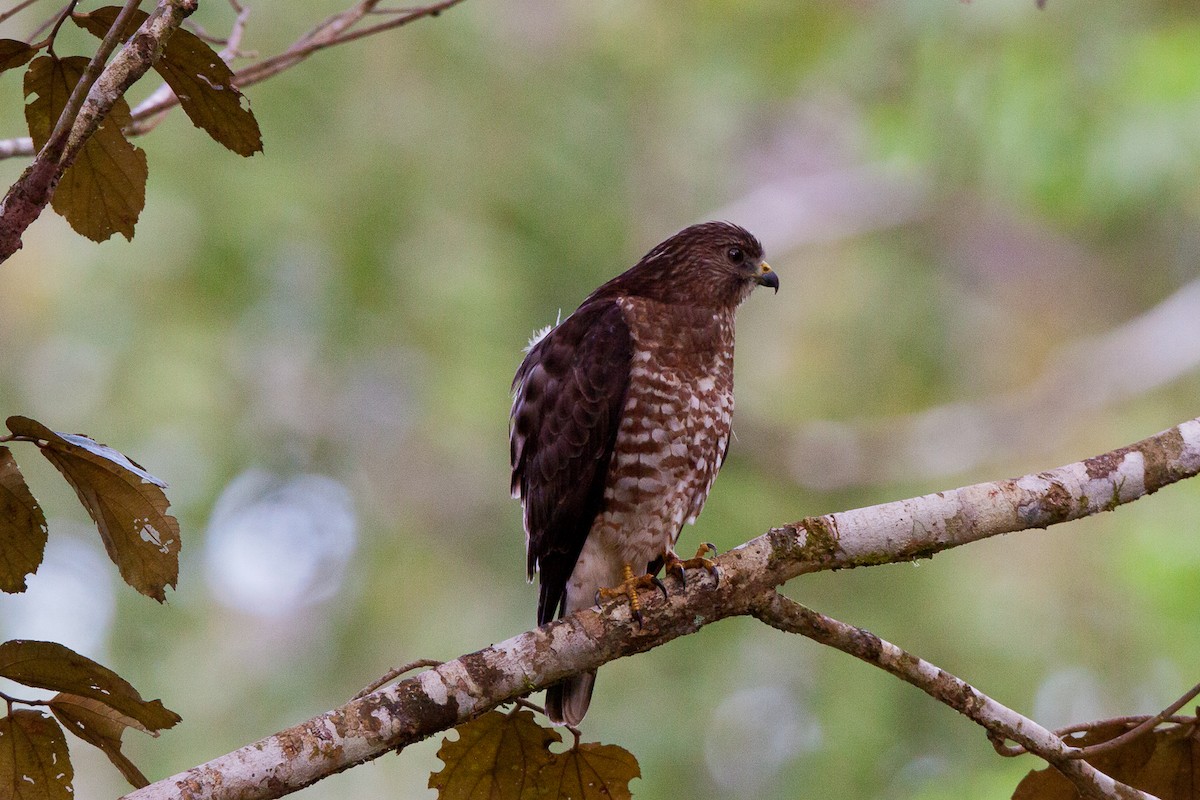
[[567, 702]]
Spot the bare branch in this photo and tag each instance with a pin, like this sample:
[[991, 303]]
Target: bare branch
[[20, 146], [458, 690], [1141, 726], [19, 7], [787, 615], [335, 30]]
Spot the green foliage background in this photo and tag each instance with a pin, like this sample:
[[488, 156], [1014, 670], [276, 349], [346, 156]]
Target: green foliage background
[[353, 303]]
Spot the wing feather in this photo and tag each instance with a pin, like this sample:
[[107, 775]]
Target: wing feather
[[567, 399]]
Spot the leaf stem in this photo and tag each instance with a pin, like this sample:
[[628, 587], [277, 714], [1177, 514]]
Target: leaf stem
[[68, 9], [10, 700]]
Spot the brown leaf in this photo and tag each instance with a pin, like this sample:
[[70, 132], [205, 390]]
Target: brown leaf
[[496, 757], [1165, 763], [200, 79], [126, 502], [589, 771], [104, 191], [49, 665], [22, 527], [34, 763], [100, 726], [14, 53]]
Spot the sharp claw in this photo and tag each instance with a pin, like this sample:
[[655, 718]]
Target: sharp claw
[[662, 587], [597, 598], [678, 569], [715, 571], [638, 617], [710, 547]]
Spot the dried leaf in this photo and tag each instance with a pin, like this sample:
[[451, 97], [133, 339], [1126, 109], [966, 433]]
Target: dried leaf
[[100, 726], [589, 771], [200, 79], [22, 527], [126, 502], [1165, 763], [34, 763], [104, 191], [49, 665], [46, 78], [496, 757], [14, 53]]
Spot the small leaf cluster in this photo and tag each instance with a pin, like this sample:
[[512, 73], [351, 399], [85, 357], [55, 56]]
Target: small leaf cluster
[[127, 504], [1164, 763], [506, 756], [104, 191], [93, 703]]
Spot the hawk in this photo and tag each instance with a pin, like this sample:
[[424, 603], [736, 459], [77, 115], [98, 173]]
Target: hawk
[[620, 422]]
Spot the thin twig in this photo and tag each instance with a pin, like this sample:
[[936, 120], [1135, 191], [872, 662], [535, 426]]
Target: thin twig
[[29, 195], [392, 674], [334, 30], [58, 23], [51, 20], [1133, 719], [236, 31], [1143, 728], [1144, 725], [18, 8], [10, 700], [787, 615]]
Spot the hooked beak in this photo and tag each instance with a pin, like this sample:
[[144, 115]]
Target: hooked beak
[[767, 277]]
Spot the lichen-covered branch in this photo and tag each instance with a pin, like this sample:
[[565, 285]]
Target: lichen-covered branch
[[27, 198], [451, 693], [788, 615]]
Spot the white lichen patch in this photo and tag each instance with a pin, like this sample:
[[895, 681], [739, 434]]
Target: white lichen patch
[[512, 648], [560, 639], [1190, 433], [435, 688], [459, 683], [1127, 482]]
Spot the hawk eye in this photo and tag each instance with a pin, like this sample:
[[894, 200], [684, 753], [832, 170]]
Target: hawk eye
[[735, 255]]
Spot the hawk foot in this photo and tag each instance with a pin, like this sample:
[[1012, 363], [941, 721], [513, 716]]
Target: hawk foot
[[629, 588], [679, 566]]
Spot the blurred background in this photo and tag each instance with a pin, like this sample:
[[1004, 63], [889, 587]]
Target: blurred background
[[984, 217]]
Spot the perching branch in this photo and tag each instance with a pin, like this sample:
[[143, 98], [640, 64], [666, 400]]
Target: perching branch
[[441, 697], [1000, 721]]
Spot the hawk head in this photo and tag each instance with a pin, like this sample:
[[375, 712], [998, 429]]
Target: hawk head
[[713, 264]]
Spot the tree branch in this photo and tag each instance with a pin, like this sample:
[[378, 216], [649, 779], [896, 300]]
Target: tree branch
[[1002, 722], [454, 692], [27, 197], [334, 30]]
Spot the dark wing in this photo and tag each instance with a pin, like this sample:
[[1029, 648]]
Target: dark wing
[[568, 396]]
